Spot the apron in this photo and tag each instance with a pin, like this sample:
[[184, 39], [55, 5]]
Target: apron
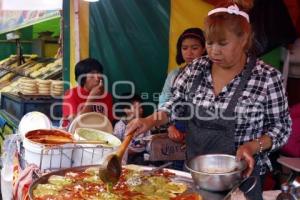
[[215, 135]]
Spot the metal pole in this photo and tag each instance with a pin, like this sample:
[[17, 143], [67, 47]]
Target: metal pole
[[76, 31]]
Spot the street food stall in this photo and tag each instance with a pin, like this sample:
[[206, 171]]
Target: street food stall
[[43, 162], [30, 64], [72, 175], [53, 163]]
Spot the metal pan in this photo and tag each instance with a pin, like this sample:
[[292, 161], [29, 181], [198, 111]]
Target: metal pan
[[44, 179], [181, 176]]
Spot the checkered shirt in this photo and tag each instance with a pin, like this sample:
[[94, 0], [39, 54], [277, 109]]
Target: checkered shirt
[[261, 109]]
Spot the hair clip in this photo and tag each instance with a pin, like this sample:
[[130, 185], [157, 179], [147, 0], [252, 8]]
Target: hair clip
[[233, 9]]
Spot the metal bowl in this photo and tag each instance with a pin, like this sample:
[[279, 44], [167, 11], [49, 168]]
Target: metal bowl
[[215, 172]]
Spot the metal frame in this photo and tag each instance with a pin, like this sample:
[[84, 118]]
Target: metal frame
[[64, 156]]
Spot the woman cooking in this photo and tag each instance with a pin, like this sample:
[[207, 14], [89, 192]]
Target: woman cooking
[[234, 103]]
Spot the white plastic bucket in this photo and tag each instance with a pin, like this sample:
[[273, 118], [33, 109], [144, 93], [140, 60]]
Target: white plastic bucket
[[89, 154], [47, 157], [33, 121]]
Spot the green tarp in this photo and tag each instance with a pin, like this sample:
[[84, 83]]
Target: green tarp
[[130, 38], [9, 48]]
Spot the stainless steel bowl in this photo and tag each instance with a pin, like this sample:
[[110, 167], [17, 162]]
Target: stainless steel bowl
[[215, 172]]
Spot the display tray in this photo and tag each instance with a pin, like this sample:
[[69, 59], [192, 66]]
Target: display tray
[[37, 95], [181, 176], [19, 105], [33, 94]]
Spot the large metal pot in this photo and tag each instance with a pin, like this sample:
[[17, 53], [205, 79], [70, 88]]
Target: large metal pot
[[215, 172]]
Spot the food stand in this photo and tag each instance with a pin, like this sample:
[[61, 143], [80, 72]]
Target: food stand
[[32, 65], [32, 40]]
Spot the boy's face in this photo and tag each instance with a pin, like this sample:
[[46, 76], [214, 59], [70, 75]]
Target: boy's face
[[135, 110], [92, 80]]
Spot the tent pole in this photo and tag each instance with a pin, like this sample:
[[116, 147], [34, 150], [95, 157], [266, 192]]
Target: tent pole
[[76, 30]]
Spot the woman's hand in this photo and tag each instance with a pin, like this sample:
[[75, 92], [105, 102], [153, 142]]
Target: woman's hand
[[139, 125], [174, 134], [246, 152]]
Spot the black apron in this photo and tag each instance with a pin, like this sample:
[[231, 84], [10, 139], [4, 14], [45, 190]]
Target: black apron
[[215, 135]]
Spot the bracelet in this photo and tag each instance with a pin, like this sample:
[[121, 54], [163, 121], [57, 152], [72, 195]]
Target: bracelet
[[260, 145]]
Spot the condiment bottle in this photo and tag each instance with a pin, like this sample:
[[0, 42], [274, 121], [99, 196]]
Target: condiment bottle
[[293, 191], [285, 195]]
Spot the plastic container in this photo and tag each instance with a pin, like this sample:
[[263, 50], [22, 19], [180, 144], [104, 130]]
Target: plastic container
[[7, 183], [45, 156], [33, 121], [10, 148], [92, 120], [89, 154], [293, 192]]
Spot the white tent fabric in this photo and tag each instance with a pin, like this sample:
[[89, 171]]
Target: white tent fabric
[[31, 4]]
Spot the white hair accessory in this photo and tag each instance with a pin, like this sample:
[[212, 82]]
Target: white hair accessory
[[234, 9]]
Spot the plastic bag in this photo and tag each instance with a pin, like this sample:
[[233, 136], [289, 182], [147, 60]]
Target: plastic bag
[[10, 149]]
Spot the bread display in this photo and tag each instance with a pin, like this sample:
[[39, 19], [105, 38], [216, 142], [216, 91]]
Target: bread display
[[32, 77]]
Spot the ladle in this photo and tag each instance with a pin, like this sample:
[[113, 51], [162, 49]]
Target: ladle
[[110, 170]]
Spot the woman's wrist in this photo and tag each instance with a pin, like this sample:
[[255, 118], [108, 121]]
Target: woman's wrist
[[252, 146], [157, 119], [150, 122], [259, 145]]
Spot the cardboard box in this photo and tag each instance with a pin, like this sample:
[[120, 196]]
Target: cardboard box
[[163, 148]]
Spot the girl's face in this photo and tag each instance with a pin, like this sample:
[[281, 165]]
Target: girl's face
[[135, 111], [191, 49], [92, 79], [227, 52]]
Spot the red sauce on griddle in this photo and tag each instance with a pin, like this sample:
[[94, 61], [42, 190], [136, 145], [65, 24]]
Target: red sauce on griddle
[[82, 190]]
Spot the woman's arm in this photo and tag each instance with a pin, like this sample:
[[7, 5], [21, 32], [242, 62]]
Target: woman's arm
[[166, 91], [142, 125], [277, 123], [249, 149], [258, 145]]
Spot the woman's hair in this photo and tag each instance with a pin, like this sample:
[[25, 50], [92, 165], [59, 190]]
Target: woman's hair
[[217, 24], [86, 66], [195, 33]]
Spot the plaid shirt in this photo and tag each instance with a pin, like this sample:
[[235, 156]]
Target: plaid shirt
[[261, 109]]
